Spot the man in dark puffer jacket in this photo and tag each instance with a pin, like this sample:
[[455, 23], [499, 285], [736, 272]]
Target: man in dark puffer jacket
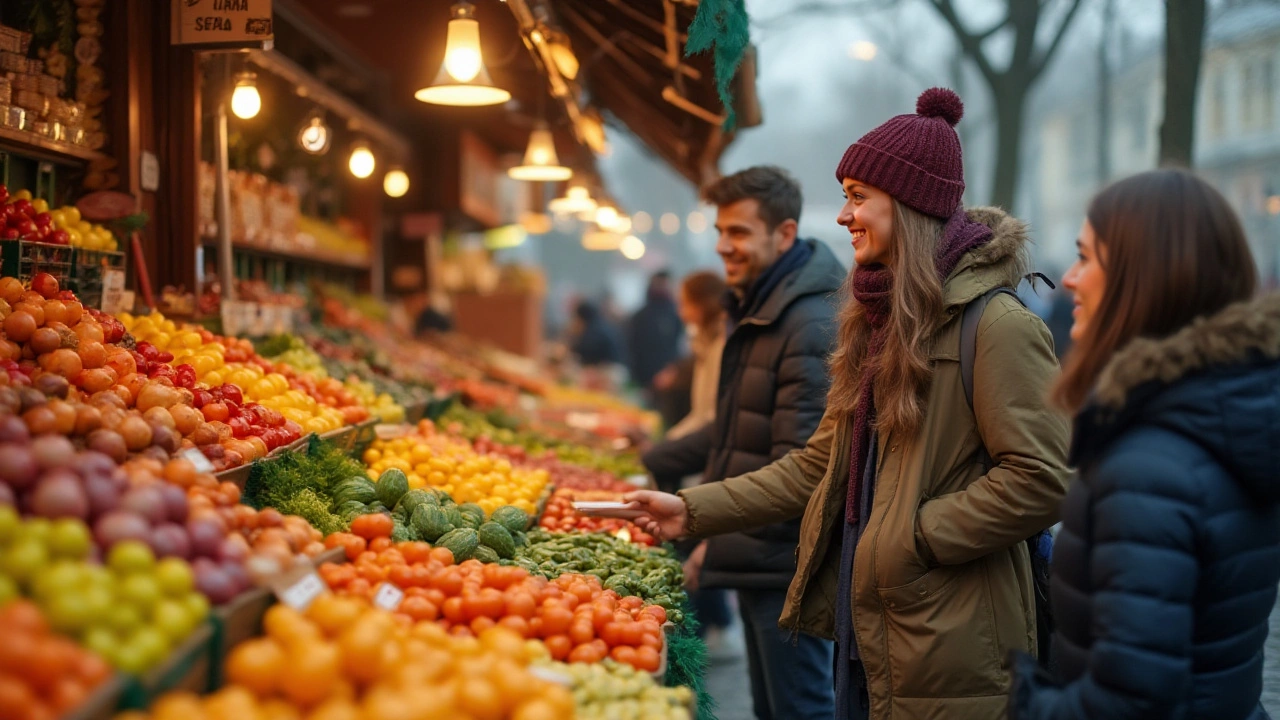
[[772, 394], [1163, 614]]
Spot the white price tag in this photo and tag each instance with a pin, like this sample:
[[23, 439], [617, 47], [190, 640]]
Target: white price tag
[[640, 481], [112, 291], [198, 459], [391, 432], [388, 597], [300, 594], [550, 675]]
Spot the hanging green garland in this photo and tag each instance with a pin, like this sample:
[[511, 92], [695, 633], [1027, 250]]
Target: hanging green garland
[[722, 25]]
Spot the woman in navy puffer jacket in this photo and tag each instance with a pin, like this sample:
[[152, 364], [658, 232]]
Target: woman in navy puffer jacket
[[1166, 566]]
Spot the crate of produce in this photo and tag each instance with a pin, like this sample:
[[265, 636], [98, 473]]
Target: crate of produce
[[364, 435], [240, 620], [189, 668], [102, 702], [23, 258], [90, 269]]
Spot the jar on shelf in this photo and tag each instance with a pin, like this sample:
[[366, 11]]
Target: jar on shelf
[[6, 91], [13, 117]]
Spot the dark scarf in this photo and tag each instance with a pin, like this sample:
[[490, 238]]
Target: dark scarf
[[771, 278], [873, 289]]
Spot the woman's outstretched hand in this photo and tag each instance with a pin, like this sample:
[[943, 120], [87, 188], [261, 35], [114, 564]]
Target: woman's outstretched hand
[[663, 515]]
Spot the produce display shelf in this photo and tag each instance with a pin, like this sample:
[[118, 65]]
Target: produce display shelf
[[190, 668], [315, 256], [32, 145], [102, 702]]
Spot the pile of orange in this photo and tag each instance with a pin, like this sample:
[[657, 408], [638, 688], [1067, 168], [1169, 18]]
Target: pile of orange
[[42, 676], [345, 660], [573, 616]]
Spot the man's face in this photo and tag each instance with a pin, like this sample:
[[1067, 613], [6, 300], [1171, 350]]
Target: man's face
[[746, 244]]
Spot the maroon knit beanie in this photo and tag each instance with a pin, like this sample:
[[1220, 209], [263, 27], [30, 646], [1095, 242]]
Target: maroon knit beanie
[[914, 158]]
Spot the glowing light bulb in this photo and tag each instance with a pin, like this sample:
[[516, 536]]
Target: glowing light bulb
[[362, 162], [396, 183], [632, 248], [245, 100]]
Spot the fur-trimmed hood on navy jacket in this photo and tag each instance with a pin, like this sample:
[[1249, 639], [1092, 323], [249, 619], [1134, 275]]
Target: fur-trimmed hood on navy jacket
[[1165, 571]]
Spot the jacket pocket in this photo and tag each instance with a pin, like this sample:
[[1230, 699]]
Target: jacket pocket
[[941, 635]]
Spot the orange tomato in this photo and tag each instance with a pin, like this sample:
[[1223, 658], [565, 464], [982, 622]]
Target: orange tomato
[[373, 525], [482, 623], [380, 544], [256, 664], [648, 659], [415, 552], [419, 608], [521, 604], [624, 654], [581, 632], [516, 624], [588, 653], [453, 610], [556, 620], [442, 555], [559, 646]]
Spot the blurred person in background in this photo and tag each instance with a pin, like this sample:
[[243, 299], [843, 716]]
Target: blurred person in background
[[654, 335], [703, 314], [595, 342], [772, 392], [1166, 565]]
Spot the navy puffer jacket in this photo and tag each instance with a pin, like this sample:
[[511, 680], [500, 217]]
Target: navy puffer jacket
[[1166, 566]]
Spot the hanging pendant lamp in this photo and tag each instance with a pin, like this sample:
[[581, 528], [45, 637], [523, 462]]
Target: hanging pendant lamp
[[541, 164], [463, 80], [576, 200]]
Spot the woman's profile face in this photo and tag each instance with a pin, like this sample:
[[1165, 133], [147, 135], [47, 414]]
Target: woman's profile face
[[1086, 280], [868, 215], [690, 313]]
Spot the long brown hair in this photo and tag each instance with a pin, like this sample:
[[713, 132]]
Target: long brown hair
[[1172, 250], [902, 368], [706, 290]]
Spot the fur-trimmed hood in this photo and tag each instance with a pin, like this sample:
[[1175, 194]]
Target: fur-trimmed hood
[[1001, 262], [1216, 381]]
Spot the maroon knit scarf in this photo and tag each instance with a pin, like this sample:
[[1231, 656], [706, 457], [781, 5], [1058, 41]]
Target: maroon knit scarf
[[873, 289]]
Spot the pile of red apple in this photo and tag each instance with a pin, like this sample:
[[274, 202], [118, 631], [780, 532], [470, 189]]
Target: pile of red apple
[[19, 220]]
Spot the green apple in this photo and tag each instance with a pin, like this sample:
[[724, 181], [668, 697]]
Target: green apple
[[152, 644], [69, 538], [10, 524], [172, 619], [197, 605], [141, 591], [129, 557], [8, 590], [123, 619], [175, 577], [101, 640], [63, 577], [68, 613], [24, 559]]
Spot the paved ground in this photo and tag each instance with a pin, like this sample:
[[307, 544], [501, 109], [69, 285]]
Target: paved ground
[[727, 680]]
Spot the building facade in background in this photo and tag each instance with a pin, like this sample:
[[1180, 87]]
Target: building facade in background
[[1237, 140]]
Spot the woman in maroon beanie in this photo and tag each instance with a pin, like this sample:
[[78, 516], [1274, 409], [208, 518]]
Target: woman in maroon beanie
[[916, 501]]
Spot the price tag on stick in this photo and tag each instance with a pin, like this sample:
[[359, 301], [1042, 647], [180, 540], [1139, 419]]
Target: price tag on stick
[[198, 459], [300, 593], [388, 597]]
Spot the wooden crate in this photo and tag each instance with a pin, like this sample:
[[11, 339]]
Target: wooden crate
[[102, 702], [188, 668]]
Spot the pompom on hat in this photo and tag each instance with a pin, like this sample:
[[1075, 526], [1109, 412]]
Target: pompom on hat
[[914, 158]]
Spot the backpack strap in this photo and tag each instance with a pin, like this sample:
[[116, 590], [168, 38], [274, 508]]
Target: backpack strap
[[969, 335]]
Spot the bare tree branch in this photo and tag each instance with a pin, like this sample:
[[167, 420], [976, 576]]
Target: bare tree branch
[[1047, 55], [982, 36], [970, 43]]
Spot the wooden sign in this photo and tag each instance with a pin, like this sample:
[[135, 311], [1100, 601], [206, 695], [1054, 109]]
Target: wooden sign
[[222, 23], [106, 205]]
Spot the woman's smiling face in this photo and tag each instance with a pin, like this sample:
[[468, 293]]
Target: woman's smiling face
[[868, 215]]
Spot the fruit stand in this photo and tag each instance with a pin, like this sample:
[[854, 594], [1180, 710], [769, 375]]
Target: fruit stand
[[321, 524]]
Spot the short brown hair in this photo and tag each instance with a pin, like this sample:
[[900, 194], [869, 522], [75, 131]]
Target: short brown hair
[[776, 192], [1174, 251], [705, 289]]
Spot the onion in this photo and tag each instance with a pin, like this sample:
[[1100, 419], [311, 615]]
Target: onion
[[59, 494], [18, 467], [10, 399], [239, 576], [89, 462], [234, 548], [52, 451], [102, 493], [170, 540], [206, 537], [215, 584], [121, 525], [30, 398], [175, 502], [13, 430], [109, 443], [165, 438], [52, 385], [146, 501]]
